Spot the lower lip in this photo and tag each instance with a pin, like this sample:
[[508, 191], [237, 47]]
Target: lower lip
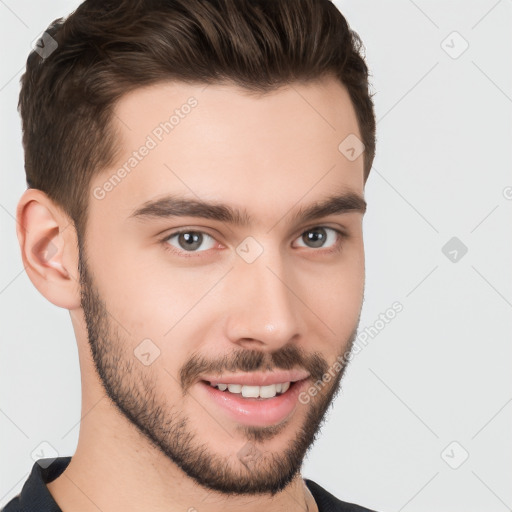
[[255, 411]]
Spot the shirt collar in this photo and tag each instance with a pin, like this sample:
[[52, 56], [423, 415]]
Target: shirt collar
[[35, 494]]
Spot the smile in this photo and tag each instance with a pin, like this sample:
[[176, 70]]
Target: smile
[[254, 391], [252, 405]]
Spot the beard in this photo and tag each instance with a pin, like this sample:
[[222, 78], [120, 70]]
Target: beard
[[133, 390]]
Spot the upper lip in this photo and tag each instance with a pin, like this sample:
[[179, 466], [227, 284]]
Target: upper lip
[[257, 379]]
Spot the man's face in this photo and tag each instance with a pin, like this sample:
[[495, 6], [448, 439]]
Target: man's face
[[176, 298]]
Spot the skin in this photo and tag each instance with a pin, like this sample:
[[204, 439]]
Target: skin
[[149, 441]]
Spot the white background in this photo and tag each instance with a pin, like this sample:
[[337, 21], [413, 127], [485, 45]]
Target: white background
[[440, 372]]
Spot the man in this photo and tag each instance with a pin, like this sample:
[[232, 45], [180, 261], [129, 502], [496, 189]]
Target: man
[[196, 173]]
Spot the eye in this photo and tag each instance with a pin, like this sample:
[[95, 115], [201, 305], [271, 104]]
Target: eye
[[320, 237], [190, 241]]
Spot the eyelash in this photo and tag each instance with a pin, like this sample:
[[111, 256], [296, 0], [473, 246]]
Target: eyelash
[[195, 254]]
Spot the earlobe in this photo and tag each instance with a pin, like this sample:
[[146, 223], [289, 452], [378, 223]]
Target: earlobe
[[45, 235]]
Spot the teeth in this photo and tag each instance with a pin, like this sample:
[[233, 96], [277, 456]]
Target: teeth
[[250, 391], [267, 391], [254, 391]]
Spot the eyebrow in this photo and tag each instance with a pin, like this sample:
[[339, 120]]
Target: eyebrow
[[174, 206]]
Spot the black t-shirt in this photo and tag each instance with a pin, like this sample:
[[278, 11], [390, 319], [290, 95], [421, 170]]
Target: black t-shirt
[[35, 496]]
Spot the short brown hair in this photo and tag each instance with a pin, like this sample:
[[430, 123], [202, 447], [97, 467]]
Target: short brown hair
[[107, 48]]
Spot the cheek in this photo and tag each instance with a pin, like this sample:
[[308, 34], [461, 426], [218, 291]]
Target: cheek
[[336, 297], [339, 285], [150, 298], [170, 307], [340, 301], [143, 291]]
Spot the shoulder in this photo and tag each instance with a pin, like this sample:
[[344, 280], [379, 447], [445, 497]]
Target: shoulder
[[34, 495], [326, 502], [13, 505]]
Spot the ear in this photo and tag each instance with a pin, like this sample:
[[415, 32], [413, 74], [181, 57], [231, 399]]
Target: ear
[[49, 248]]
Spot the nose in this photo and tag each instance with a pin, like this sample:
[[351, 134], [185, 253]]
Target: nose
[[263, 308]]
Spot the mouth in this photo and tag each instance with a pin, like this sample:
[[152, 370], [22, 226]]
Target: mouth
[[255, 392], [246, 404]]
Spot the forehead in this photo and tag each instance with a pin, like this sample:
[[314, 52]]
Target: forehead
[[220, 143]]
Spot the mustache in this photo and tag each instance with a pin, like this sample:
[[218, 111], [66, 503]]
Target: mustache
[[286, 358]]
